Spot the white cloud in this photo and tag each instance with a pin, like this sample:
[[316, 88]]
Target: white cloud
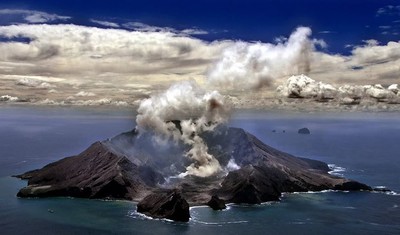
[[388, 10], [31, 16], [302, 86], [90, 58], [372, 53], [326, 32], [5, 98], [33, 83], [394, 88], [371, 42], [138, 26], [194, 32], [377, 91], [82, 53], [72, 101], [374, 63], [85, 93], [105, 23], [348, 46]]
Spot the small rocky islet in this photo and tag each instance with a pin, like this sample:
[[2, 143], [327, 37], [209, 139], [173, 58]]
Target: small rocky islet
[[131, 166]]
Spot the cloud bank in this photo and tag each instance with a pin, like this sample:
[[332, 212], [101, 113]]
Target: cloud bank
[[33, 83], [107, 61], [84, 54], [301, 86]]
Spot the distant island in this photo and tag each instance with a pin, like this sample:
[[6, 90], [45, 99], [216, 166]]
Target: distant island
[[131, 166]]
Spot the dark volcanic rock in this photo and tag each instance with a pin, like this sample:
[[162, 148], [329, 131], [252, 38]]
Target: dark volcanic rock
[[352, 186], [216, 203], [130, 166], [170, 205], [304, 131], [268, 172], [249, 185], [95, 173]]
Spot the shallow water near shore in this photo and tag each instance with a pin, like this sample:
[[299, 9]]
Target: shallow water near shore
[[364, 146]]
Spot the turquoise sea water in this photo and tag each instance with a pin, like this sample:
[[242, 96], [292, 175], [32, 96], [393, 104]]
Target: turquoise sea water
[[366, 145]]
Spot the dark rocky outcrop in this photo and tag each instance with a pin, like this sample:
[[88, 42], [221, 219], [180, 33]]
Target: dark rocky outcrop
[[95, 173], [352, 186], [131, 166], [304, 131], [216, 203], [170, 205]]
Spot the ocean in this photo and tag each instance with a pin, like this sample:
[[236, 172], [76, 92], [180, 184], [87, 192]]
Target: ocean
[[360, 146]]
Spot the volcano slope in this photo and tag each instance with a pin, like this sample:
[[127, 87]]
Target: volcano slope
[[133, 165]]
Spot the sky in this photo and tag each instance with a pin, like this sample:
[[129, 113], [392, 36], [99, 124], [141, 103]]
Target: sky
[[135, 44], [339, 22]]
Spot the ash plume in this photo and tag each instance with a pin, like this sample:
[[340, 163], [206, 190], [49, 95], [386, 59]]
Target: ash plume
[[185, 111], [182, 113], [254, 65]]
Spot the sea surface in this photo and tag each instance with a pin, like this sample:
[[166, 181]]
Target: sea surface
[[361, 146]]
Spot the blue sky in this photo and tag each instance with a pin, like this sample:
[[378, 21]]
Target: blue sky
[[337, 22]]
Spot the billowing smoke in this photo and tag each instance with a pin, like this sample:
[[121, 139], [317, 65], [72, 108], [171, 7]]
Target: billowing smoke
[[185, 111], [182, 113], [253, 65]]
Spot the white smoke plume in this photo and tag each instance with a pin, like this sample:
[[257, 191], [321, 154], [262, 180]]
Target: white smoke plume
[[253, 65], [182, 113]]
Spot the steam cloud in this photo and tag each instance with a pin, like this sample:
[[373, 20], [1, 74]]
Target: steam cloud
[[182, 113], [185, 110], [253, 65]]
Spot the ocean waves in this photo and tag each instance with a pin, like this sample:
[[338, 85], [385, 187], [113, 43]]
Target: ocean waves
[[336, 170]]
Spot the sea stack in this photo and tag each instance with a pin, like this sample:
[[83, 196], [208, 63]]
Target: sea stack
[[304, 131], [169, 205]]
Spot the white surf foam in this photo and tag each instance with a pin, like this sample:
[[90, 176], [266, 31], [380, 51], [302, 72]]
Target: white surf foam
[[137, 215], [336, 170], [391, 192]]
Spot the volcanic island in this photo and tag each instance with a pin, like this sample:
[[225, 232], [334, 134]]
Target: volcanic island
[[132, 166]]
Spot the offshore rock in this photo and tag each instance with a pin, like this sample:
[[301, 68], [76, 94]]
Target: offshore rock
[[304, 131], [169, 205], [352, 186], [216, 203]]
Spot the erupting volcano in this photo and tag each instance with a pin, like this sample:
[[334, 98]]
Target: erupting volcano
[[136, 166]]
